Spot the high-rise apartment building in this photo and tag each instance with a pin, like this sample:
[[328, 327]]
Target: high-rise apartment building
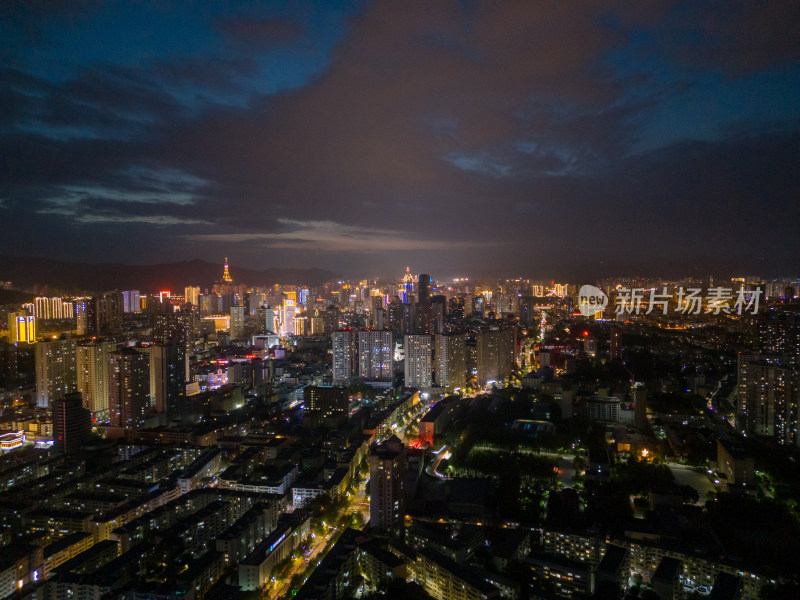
[[52, 308], [639, 396], [210, 304], [287, 314], [377, 319], [457, 310], [439, 310], [387, 471], [128, 388], [423, 319], [419, 359], [424, 288], [177, 327], [778, 330], [344, 355], [21, 328], [82, 316], [269, 320], [131, 301], [301, 325], [495, 353], [769, 397], [72, 423], [451, 360], [237, 322], [395, 314], [91, 359], [168, 365], [375, 355], [56, 370], [526, 310], [109, 310], [330, 318], [191, 294]]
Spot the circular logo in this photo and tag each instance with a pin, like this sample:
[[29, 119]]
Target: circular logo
[[591, 300]]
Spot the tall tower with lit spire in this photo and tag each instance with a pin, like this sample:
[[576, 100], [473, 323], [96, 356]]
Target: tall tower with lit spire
[[226, 275], [407, 288]]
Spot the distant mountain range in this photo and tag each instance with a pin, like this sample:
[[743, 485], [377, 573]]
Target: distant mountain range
[[42, 274]]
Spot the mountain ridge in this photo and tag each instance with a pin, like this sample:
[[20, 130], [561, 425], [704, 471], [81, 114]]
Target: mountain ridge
[[40, 274]]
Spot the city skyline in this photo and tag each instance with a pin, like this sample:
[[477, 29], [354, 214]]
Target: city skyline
[[532, 138]]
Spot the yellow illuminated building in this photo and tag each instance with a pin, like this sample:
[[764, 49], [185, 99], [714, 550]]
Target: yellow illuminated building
[[21, 328], [221, 322]]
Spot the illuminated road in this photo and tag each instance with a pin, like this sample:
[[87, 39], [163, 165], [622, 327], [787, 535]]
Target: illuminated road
[[356, 504]]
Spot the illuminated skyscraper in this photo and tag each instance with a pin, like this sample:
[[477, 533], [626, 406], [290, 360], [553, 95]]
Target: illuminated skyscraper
[[377, 319], [395, 314], [418, 361], [169, 374], [254, 301], [192, 295], [237, 322], [423, 318], [92, 371], [287, 313], [451, 360], [81, 316], [301, 325], [56, 372], [439, 311], [52, 308], [478, 306], [407, 288], [375, 355], [387, 472], [525, 311], [177, 327], [269, 319], [344, 356], [330, 318], [21, 328], [128, 388], [457, 308], [210, 304], [132, 301], [226, 275], [495, 354], [778, 331], [769, 397], [109, 309], [317, 325]]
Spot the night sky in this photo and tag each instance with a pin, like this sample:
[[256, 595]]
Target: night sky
[[532, 138]]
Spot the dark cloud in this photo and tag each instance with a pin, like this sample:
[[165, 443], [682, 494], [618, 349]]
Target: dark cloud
[[500, 136], [263, 33], [744, 36]]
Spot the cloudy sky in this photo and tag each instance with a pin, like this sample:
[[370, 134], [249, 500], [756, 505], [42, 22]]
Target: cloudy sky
[[529, 137]]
